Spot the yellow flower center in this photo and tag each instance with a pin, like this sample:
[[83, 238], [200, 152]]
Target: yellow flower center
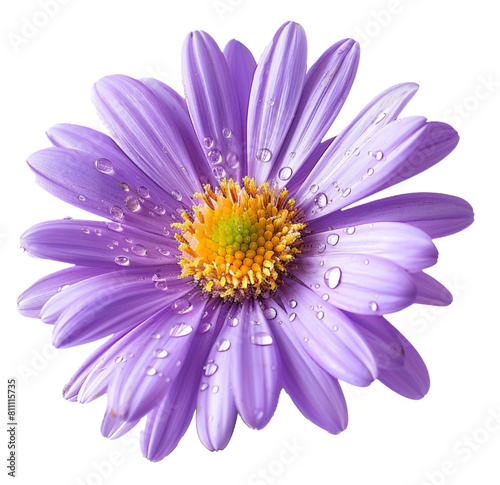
[[239, 239]]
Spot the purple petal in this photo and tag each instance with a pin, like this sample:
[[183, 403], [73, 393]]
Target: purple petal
[[106, 185], [141, 385], [317, 394], [168, 422], [99, 306], [114, 426], [31, 301], [216, 412], [256, 373], [327, 335], [274, 98], [342, 177], [431, 291], [93, 243], [213, 104], [242, 65], [147, 133], [409, 247], [437, 214], [358, 283], [327, 85], [74, 385]]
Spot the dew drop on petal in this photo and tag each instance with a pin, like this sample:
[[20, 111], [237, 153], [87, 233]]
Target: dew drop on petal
[[205, 327], [210, 369], [350, 230], [232, 160], [208, 142], [116, 212], [313, 188], [103, 165], [155, 336], [379, 118], [379, 154], [124, 186], [161, 285], [226, 133], [132, 203], [139, 250], [292, 303], [332, 239], [160, 210], [160, 353], [215, 390], [261, 338], [325, 296], [122, 261], [85, 230], [180, 330], [150, 371], [270, 313], [346, 192], [177, 195], [263, 155], [332, 277], [373, 306], [321, 200], [320, 315], [143, 191], [81, 198], [223, 345], [233, 321], [285, 173], [292, 317], [182, 306], [214, 156], [321, 248], [163, 251], [370, 171], [204, 386], [219, 172]]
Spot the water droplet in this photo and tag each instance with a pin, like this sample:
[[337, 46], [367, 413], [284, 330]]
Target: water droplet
[[379, 118], [370, 171], [261, 338], [346, 192], [233, 321], [204, 386], [285, 173], [263, 155], [379, 154], [223, 345], [208, 142], [116, 212], [119, 358], [177, 195], [270, 313], [271, 102], [367, 261], [350, 230], [215, 390], [132, 203], [335, 328], [232, 160], [306, 340], [81, 198], [292, 303], [103, 165], [180, 330], [314, 188], [150, 371], [139, 249], [161, 285], [214, 156], [356, 151], [210, 369], [292, 317], [332, 277], [226, 133], [122, 261], [373, 306], [155, 336], [205, 327], [182, 306], [163, 251], [160, 210], [325, 297], [320, 315], [143, 191], [85, 230], [97, 232], [333, 239], [321, 248], [219, 172], [321, 200], [160, 353]]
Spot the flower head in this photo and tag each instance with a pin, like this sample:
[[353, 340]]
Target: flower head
[[228, 266]]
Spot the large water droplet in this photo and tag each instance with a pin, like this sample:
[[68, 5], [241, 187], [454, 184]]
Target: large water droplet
[[160, 353], [182, 306], [321, 200], [210, 369], [350, 230], [226, 133], [219, 172], [333, 239], [139, 249], [205, 327], [332, 277], [143, 191], [103, 165], [160, 210], [180, 330], [261, 338], [370, 171], [176, 195], [320, 315], [379, 154], [122, 261], [223, 345], [214, 156], [292, 303], [314, 188], [208, 142], [150, 371], [285, 173], [321, 248], [233, 321], [116, 212], [270, 313], [132, 203], [263, 155]]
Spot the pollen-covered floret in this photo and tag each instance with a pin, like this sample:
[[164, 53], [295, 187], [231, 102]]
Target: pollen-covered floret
[[239, 239]]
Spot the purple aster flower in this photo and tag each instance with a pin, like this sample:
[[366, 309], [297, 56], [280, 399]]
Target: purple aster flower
[[228, 266]]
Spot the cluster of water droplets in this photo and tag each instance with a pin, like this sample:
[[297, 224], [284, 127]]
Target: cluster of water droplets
[[215, 154]]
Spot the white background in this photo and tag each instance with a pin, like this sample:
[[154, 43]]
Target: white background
[[448, 47]]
